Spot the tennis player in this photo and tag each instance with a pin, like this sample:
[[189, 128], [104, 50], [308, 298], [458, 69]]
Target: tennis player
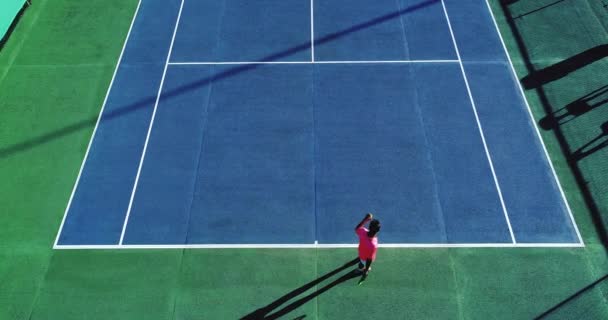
[[368, 244]]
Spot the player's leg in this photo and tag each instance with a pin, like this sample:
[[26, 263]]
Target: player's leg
[[361, 265]]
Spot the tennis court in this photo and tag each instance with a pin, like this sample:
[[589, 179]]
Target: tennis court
[[279, 123], [231, 147]]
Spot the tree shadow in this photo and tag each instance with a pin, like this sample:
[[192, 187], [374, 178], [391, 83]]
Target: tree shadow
[[230, 72], [535, 80], [265, 312]]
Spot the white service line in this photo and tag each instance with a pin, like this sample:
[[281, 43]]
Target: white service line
[[310, 62], [103, 106], [320, 246], [483, 139], [143, 154], [523, 95]]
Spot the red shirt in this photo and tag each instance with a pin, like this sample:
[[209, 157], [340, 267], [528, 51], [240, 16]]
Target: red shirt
[[367, 246]]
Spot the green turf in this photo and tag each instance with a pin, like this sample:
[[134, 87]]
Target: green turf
[[54, 73]]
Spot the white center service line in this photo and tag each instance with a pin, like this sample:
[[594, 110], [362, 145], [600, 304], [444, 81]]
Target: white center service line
[[312, 31]]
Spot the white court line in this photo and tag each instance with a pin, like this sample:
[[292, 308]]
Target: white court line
[[312, 31], [211, 246], [320, 246], [311, 62], [483, 139], [143, 154], [521, 90], [103, 106]]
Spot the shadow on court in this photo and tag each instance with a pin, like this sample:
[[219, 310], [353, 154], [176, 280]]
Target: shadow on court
[[270, 311], [536, 79], [536, 9], [596, 144], [579, 296], [582, 303], [145, 102], [577, 108]]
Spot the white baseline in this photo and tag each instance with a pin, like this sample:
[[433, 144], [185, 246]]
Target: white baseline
[[320, 246]]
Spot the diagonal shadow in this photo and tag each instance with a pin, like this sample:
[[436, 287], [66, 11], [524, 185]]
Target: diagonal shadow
[[536, 80], [561, 69], [84, 124], [264, 312], [593, 146], [572, 297]]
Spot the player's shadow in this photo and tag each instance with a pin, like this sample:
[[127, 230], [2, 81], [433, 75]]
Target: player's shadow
[[270, 311], [147, 102]]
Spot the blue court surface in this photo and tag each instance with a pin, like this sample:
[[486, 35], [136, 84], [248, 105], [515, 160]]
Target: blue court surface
[[282, 122]]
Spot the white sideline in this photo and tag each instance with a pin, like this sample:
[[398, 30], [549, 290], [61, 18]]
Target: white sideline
[[523, 95], [483, 139], [143, 154], [103, 106]]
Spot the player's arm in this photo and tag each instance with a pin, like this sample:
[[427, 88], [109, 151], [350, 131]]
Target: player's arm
[[367, 218]]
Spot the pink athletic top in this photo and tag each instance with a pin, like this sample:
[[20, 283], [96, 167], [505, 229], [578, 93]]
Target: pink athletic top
[[367, 246]]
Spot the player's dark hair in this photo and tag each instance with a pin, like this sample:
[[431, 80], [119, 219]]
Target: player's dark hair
[[374, 227]]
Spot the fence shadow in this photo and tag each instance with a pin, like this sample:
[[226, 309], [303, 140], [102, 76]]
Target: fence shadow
[[537, 78], [576, 108]]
